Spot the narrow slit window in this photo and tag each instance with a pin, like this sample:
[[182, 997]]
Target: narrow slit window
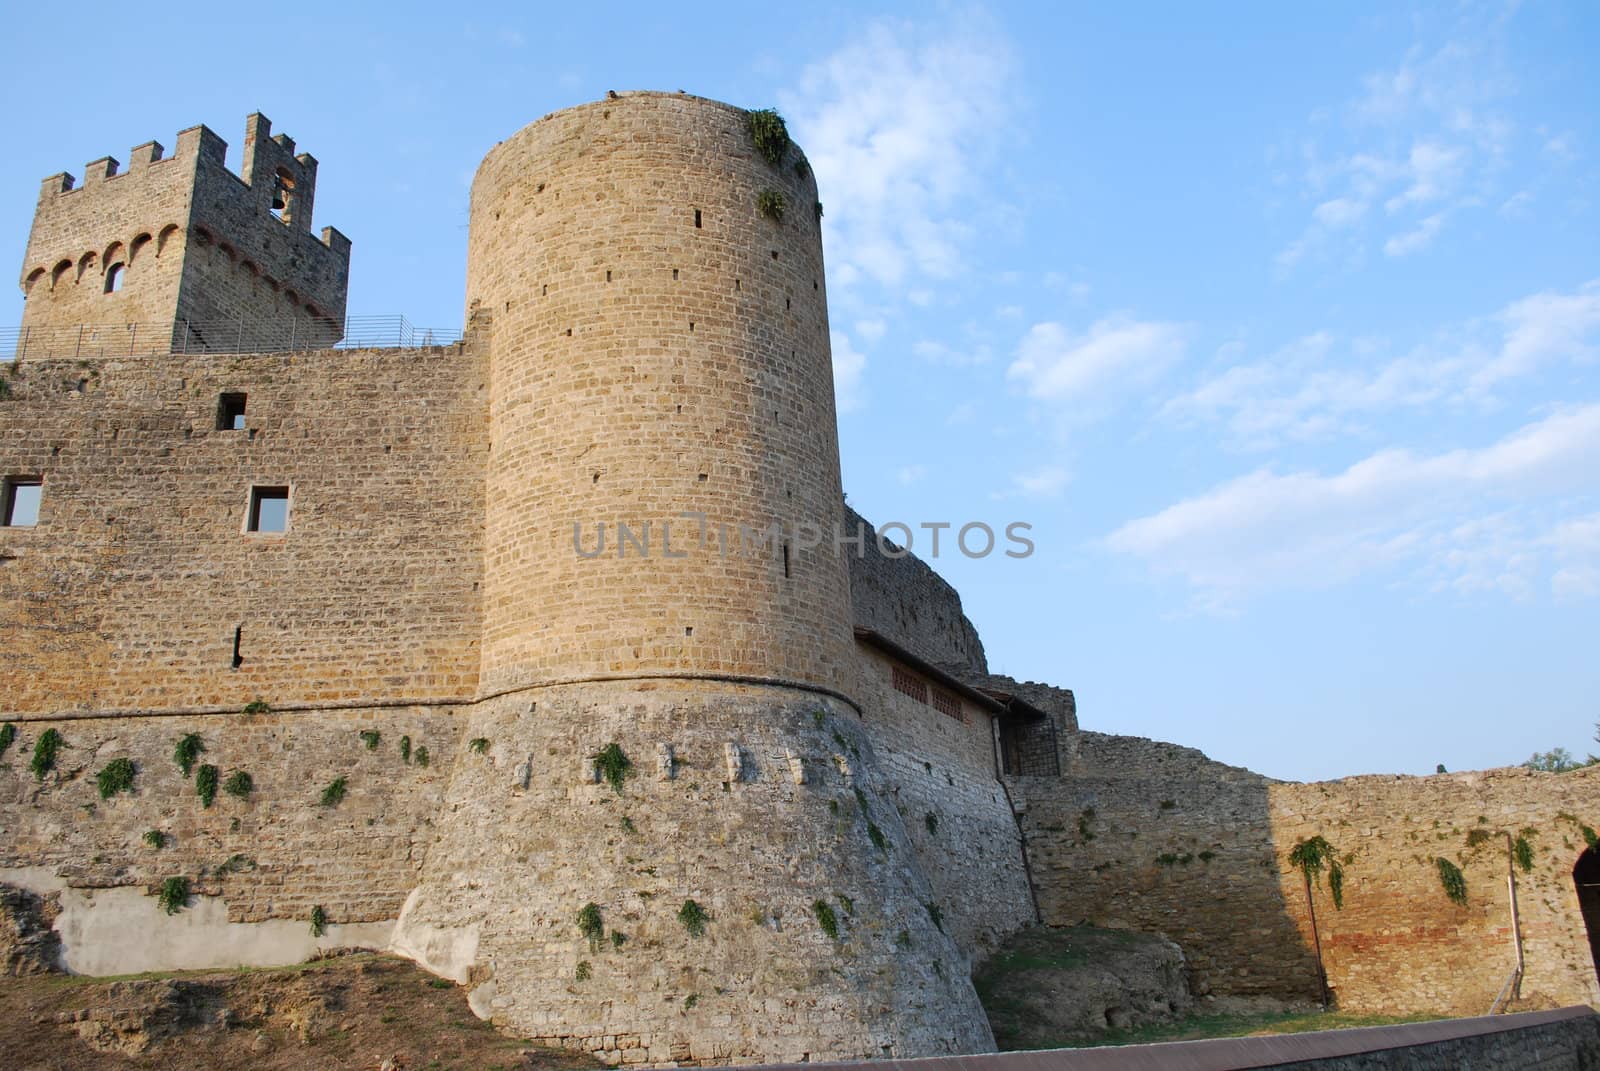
[[269, 509], [786, 572], [230, 412], [238, 643], [114, 279], [697, 217], [22, 496]]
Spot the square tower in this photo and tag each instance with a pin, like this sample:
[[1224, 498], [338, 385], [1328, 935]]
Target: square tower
[[179, 253]]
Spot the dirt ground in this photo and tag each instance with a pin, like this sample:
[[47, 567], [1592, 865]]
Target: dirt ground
[[349, 1012]]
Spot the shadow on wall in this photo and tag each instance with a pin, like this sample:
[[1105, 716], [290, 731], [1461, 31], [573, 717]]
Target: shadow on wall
[[1444, 884], [1147, 836]]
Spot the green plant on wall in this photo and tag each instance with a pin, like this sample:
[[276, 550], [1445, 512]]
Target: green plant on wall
[[613, 765], [771, 203], [770, 134], [1310, 856], [205, 783], [257, 706], [334, 793], [936, 914], [44, 753], [1454, 882], [155, 838], [239, 785], [8, 732], [405, 749], [116, 776], [187, 752], [582, 972], [174, 895], [319, 921], [370, 737], [826, 919], [591, 925], [1522, 851], [693, 917], [478, 745], [422, 756]]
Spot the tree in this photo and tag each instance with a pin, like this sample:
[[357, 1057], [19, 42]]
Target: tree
[[1556, 760]]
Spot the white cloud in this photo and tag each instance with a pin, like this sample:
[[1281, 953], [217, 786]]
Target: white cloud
[[910, 474], [1425, 140], [897, 125], [1541, 328], [1044, 482], [1415, 240], [1053, 364], [871, 330], [1319, 385], [941, 354], [1340, 212], [849, 368], [1267, 530]]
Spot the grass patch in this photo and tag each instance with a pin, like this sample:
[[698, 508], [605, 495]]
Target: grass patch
[[187, 752], [826, 918], [174, 895], [370, 737], [614, 765], [693, 917], [116, 776], [239, 785], [205, 783], [155, 838], [770, 134], [44, 753], [771, 203], [334, 793], [478, 745], [591, 925]]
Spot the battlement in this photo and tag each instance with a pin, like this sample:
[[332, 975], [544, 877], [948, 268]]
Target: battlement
[[191, 239]]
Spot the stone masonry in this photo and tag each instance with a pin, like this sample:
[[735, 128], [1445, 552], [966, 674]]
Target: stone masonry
[[585, 540]]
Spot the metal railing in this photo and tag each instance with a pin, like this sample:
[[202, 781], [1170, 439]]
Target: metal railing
[[220, 336]]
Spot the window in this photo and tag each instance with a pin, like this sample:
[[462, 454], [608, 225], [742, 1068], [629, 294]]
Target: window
[[947, 704], [230, 412], [114, 279], [20, 508], [269, 509], [909, 683]]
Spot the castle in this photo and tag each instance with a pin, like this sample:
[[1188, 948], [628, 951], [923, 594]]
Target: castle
[[514, 656]]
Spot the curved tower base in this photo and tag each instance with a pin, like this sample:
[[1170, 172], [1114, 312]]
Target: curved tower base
[[760, 805]]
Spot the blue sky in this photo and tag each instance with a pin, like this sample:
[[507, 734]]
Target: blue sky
[[1280, 326]]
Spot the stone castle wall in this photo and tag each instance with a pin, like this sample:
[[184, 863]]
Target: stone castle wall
[[195, 242], [905, 600], [257, 864], [130, 591], [659, 346], [1156, 837], [767, 807]]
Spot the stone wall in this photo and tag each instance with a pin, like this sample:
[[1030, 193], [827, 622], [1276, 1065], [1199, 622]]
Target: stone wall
[[660, 346], [129, 592], [906, 601], [194, 242], [1400, 943], [768, 807], [1150, 836], [1143, 835], [267, 857], [940, 773]]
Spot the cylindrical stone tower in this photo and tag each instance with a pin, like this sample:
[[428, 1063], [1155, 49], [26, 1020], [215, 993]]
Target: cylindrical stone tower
[[659, 348], [741, 888]]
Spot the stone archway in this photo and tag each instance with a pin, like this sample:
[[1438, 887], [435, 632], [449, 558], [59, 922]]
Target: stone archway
[[1586, 875]]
